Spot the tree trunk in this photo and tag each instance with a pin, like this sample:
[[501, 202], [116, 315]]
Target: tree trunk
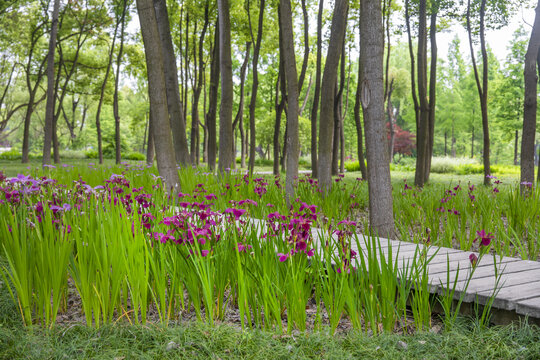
[[422, 136], [337, 36], [308, 90], [292, 139], [413, 77], [157, 93], [335, 141], [371, 56], [432, 87], [116, 80], [238, 119], [279, 104], [482, 88], [358, 122], [150, 149], [196, 95], [225, 112], [516, 144], [390, 112], [174, 104], [49, 110], [316, 95], [306, 47], [212, 101], [530, 104], [255, 86]]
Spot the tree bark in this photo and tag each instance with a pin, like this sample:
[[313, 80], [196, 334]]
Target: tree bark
[[116, 80], [316, 95], [530, 103], [329, 79], [482, 88], [422, 136], [197, 93], [292, 139], [432, 87], [371, 56], [49, 110], [390, 112], [225, 112], [150, 149], [238, 119], [358, 122], [254, 86], [157, 93], [212, 101], [175, 111]]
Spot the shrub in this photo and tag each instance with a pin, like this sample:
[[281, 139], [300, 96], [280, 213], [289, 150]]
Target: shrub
[[72, 154], [134, 156], [91, 154], [12, 154]]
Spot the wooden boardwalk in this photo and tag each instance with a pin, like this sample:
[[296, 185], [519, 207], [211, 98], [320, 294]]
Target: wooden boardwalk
[[519, 282]]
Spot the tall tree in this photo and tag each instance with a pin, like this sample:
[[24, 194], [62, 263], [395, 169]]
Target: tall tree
[[255, 84], [239, 118], [530, 104], [293, 144], [117, 138], [316, 95], [49, 111], [358, 123], [482, 87], [212, 100], [159, 124], [372, 94], [329, 79], [225, 112], [174, 105]]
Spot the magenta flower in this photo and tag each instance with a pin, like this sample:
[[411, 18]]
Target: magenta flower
[[310, 253], [474, 259], [204, 253], [283, 257], [485, 239], [236, 212]]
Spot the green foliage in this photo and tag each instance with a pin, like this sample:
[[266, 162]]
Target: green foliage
[[134, 156], [12, 154]]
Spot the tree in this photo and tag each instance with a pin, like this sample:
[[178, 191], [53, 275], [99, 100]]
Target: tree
[[371, 57], [118, 153], [291, 77], [530, 104], [160, 127], [49, 113], [316, 95], [174, 104], [225, 112], [255, 83], [329, 79]]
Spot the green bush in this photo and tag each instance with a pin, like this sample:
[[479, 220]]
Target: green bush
[[91, 154], [134, 156], [12, 154], [352, 166], [468, 169], [72, 154]]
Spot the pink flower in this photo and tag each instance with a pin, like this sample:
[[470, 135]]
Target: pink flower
[[474, 259], [485, 239], [283, 257]]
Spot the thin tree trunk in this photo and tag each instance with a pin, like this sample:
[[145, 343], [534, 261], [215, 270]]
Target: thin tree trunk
[[212, 101], [482, 88], [255, 85], [422, 137], [49, 110], [150, 150], [413, 76], [335, 46], [358, 122], [516, 144], [116, 81], [304, 103], [390, 112], [225, 112], [174, 105], [530, 104], [238, 119], [432, 87], [316, 95], [371, 56], [292, 138], [157, 93], [279, 106], [306, 47], [197, 93]]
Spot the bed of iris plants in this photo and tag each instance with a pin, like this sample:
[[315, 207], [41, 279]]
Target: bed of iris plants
[[113, 240]]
